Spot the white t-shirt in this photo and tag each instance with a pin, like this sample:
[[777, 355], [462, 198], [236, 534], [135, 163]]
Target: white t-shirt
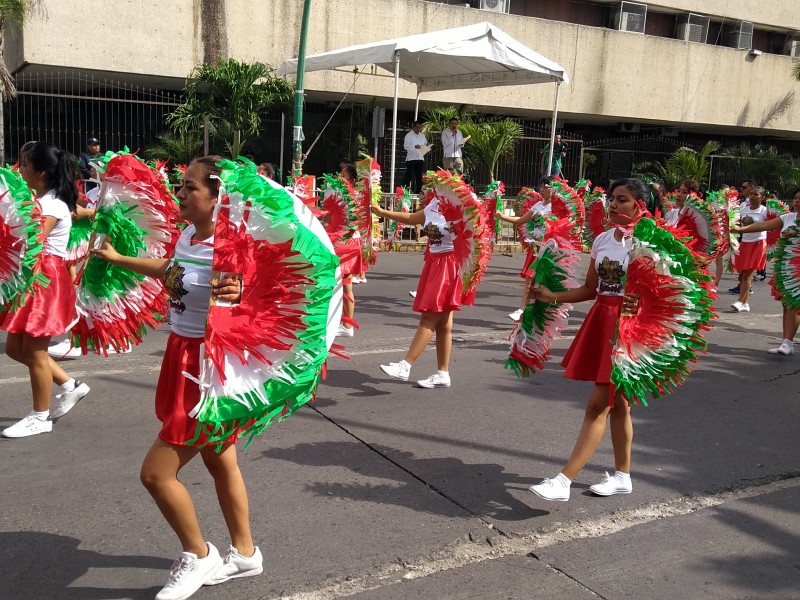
[[92, 196], [540, 209], [611, 261], [52, 206], [187, 283], [788, 220], [440, 241], [748, 216]]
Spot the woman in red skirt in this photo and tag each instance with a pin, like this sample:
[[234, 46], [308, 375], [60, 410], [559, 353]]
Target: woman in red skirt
[[438, 295], [351, 260], [752, 255], [791, 318], [47, 311], [187, 279], [589, 356]]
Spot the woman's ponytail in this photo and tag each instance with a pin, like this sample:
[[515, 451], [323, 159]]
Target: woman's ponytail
[[60, 168]]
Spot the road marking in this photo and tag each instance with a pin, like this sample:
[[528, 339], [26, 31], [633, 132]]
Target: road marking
[[95, 372]]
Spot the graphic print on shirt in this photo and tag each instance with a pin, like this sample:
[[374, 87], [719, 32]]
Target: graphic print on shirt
[[610, 273], [747, 220], [434, 234], [173, 283]]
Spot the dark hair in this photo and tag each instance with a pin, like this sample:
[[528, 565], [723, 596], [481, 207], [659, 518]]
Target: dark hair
[[692, 186], [351, 172], [637, 188], [760, 190], [657, 197], [750, 182], [268, 169], [545, 180], [60, 169], [25, 148], [415, 123], [794, 193], [451, 120], [209, 164]]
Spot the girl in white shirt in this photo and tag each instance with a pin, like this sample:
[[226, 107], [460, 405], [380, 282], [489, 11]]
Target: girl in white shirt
[[791, 319], [752, 255], [47, 310], [187, 280], [589, 356]]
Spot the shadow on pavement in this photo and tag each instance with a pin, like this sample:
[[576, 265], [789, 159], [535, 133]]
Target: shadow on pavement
[[44, 565]]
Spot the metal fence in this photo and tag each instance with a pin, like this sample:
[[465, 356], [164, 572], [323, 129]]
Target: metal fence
[[65, 108]]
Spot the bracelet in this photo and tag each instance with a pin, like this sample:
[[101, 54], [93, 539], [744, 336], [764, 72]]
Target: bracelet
[[555, 300]]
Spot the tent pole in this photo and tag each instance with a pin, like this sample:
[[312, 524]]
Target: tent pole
[[416, 107], [394, 117], [553, 131]]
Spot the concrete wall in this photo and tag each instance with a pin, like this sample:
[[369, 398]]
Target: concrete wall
[[783, 14], [616, 76]]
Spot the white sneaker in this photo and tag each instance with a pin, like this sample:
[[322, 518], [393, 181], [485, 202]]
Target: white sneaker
[[189, 573], [435, 380], [28, 426], [740, 307], [412, 294], [612, 485], [784, 349], [67, 400], [64, 349], [112, 350], [396, 371], [551, 489], [234, 565], [345, 332], [516, 315]]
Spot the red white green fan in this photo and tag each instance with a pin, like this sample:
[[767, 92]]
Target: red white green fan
[[775, 209], [138, 216], [368, 194], [21, 242], [655, 346], [263, 358], [699, 219], [491, 202], [787, 267], [526, 200], [394, 229], [472, 246], [596, 216], [567, 204], [338, 211]]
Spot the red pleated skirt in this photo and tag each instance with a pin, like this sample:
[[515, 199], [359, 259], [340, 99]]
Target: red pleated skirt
[[529, 260], [775, 294], [440, 286], [177, 395], [351, 259], [752, 256], [48, 311], [589, 356]]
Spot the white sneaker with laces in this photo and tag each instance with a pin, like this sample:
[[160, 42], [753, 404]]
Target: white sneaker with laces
[[740, 307], [413, 294], [434, 381], [189, 573], [396, 371], [345, 332], [612, 485], [63, 349], [234, 565], [67, 400], [28, 426], [516, 315], [784, 349], [551, 489]]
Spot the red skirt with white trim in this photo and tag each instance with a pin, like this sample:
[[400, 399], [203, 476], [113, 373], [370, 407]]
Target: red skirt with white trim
[[48, 311], [752, 256], [589, 356], [529, 260], [440, 286], [177, 395]]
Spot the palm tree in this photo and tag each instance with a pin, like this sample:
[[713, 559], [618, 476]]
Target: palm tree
[[491, 140], [796, 70], [436, 119], [684, 163], [179, 148], [233, 97]]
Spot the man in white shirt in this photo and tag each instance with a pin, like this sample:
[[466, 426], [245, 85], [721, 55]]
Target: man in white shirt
[[453, 141], [415, 144]]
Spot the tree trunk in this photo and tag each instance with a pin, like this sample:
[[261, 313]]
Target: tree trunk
[[214, 31]]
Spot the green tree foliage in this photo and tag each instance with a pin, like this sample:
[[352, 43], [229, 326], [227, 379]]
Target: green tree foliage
[[177, 147], [684, 163], [491, 140], [777, 172], [233, 96], [13, 16]]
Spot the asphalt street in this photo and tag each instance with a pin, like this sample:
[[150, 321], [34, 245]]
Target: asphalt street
[[385, 491]]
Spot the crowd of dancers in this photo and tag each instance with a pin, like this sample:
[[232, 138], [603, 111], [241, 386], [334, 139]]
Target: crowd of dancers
[[634, 232]]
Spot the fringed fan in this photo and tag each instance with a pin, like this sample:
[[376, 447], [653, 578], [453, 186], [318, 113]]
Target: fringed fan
[[787, 267], [568, 205], [597, 214], [492, 198], [21, 242], [526, 200], [700, 220], [338, 214], [459, 206], [655, 345], [263, 357], [734, 214], [138, 216], [775, 208], [541, 323], [368, 194], [395, 229], [303, 188]]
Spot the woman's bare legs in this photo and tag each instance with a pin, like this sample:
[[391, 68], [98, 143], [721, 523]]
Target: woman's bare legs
[[444, 341], [523, 302], [744, 286], [428, 323], [42, 370], [349, 306]]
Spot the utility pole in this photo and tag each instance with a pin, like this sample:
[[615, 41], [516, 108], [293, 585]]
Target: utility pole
[[299, 92]]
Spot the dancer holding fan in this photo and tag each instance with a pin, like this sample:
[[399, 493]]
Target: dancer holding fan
[[752, 254]]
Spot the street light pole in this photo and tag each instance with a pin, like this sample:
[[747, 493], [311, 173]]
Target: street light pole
[[297, 130]]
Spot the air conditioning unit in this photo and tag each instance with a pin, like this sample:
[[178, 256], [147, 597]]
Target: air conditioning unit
[[629, 128], [501, 6], [630, 16], [670, 131], [692, 28], [738, 35], [792, 47]]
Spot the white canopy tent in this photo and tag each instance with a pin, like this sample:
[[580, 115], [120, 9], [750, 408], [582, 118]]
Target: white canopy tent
[[474, 56]]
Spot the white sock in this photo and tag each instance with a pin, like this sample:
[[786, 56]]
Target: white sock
[[789, 343], [42, 415], [444, 373], [68, 386], [563, 480], [622, 476], [405, 365]]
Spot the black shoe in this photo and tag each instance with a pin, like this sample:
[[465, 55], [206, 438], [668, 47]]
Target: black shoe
[[734, 291], [762, 275]]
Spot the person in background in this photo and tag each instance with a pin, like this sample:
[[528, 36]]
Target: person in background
[[414, 143], [452, 143], [267, 170], [744, 198], [92, 153], [752, 255], [559, 153]]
